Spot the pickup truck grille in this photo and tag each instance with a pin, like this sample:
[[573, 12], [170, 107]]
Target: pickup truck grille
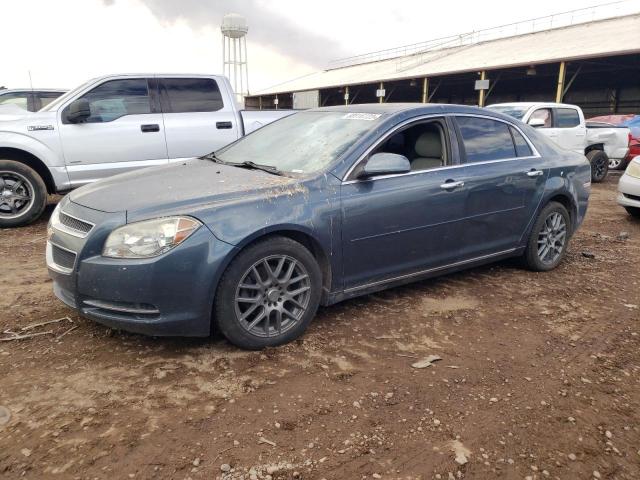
[[75, 224], [63, 258]]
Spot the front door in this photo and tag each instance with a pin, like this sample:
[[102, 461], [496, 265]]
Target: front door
[[197, 119], [404, 224], [122, 133], [503, 184]]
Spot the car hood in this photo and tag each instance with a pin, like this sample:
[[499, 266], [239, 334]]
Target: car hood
[[176, 188]]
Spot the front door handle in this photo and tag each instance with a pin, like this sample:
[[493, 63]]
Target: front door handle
[[150, 127], [451, 185], [535, 173], [224, 125]]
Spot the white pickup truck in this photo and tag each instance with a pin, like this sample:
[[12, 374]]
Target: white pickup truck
[[565, 125], [110, 125]]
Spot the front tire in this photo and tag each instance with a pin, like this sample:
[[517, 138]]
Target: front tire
[[268, 294], [548, 239], [23, 194], [599, 165], [633, 211]]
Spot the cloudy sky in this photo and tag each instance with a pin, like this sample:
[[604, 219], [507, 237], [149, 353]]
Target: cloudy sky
[[65, 42]]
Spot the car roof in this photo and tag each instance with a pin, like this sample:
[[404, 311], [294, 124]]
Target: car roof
[[528, 105], [392, 108]]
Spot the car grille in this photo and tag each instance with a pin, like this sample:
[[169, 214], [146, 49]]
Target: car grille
[[76, 224], [63, 258], [632, 197]]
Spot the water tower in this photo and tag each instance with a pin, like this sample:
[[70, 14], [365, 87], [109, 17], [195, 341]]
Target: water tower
[[234, 29]]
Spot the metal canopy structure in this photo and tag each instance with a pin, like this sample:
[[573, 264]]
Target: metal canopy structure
[[592, 59]]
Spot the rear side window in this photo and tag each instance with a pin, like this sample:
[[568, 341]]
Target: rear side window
[[522, 147], [485, 139], [19, 99], [182, 95], [567, 118], [117, 98], [45, 98]]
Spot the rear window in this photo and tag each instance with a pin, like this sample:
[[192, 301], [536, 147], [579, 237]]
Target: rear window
[[567, 118], [522, 147], [485, 139], [182, 95]]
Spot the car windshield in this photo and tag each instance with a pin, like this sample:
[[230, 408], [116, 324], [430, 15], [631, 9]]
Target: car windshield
[[301, 143], [63, 98], [511, 110]]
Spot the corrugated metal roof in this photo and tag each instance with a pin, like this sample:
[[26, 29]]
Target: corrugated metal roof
[[615, 36]]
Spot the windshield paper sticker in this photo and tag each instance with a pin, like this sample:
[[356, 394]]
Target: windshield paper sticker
[[361, 116]]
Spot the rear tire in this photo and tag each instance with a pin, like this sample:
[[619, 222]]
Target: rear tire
[[633, 211], [23, 194], [548, 239], [268, 294], [599, 165]]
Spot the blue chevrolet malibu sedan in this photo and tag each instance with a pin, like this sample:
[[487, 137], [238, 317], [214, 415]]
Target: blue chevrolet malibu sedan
[[318, 207]]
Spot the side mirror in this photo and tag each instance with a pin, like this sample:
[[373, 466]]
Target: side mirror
[[385, 164], [536, 122], [78, 111]]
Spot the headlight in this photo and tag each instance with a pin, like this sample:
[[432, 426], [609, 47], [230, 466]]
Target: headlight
[[53, 220], [149, 238], [633, 170]]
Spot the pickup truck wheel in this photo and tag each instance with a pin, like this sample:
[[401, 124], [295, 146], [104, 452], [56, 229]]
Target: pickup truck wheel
[[548, 239], [268, 294], [23, 194], [633, 211], [599, 165]]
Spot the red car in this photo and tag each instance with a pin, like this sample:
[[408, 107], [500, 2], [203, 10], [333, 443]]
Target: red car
[[633, 123]]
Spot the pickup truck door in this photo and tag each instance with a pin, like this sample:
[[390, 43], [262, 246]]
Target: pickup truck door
[[504, 181], [198, 119], [570, 130], [124, 132]]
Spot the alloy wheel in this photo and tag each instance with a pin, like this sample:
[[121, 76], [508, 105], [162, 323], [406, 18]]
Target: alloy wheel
[[552, 238], [600, 168], [272, 296], [16, 194]]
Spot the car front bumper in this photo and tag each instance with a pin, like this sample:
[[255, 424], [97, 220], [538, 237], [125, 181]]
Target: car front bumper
[[629, 191], [168, 295]]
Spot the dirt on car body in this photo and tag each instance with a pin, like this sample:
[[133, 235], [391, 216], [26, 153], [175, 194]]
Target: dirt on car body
[[538, 378]]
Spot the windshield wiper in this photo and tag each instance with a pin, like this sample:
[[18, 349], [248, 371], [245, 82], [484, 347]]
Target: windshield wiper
[[265, 168], [212, 156]]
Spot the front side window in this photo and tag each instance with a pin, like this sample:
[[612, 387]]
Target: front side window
[[485, 139], [304, 142], [18, 99], [117, 98], [182, 95], [424, 145], [543, 114], [567, 118]]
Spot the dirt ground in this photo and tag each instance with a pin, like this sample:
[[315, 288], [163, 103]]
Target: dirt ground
[[539, 378]]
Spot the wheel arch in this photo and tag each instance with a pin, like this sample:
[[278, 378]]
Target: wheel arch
[[595, 146], [306, 238], [30, 160]]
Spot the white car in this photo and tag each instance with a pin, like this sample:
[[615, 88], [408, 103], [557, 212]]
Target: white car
[[629, 188], [565, 125]]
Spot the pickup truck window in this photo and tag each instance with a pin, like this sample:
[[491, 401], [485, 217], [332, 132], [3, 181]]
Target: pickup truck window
[[301, 143], [19, 99], [567, 118], [542, 114], [485, 139], [182, 95], [117, 98]]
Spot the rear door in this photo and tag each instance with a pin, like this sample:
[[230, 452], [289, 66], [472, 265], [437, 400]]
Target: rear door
[[569, 129], [198, 119], [504, 181], [124, 132]]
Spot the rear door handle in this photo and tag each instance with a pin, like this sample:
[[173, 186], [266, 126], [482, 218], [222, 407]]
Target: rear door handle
[[535, 173], [224, 125], [451, 185], [150, 127]]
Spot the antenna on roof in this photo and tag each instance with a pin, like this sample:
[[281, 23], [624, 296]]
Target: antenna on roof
[[30, 82]]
